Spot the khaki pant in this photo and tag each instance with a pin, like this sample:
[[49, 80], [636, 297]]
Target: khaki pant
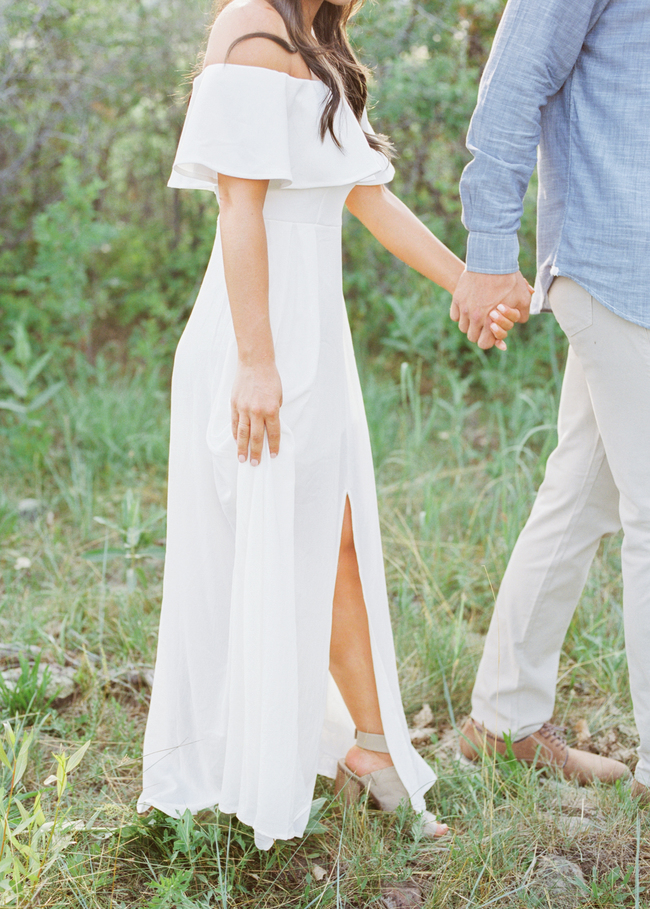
[[597, 480]]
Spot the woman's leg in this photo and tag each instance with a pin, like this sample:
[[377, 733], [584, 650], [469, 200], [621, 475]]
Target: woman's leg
[[351, 656], [351, 662]]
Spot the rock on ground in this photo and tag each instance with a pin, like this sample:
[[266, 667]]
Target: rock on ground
[[61, 685], [401, 896], [558, 883]]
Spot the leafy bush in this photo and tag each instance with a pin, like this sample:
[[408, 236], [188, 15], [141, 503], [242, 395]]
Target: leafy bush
[[67, 235], [97, 251]]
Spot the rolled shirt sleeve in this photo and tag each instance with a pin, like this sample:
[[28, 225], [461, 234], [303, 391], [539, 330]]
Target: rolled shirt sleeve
[[534, 51]]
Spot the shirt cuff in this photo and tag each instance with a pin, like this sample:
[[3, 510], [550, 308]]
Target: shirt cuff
[[492, 254]]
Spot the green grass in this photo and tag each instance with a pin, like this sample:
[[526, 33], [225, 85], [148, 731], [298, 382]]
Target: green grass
[[458, 459]]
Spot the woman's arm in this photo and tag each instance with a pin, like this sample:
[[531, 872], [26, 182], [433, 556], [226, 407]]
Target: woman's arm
[[402, 233], [257, 390]]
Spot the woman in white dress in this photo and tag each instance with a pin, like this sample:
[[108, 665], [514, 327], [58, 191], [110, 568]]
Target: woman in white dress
[[275, 638]]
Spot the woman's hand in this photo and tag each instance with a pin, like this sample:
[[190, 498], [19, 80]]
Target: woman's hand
[[503, 318], [255, 404]]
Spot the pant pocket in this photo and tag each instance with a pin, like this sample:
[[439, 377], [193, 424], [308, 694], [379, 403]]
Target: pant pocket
[[572, 305]]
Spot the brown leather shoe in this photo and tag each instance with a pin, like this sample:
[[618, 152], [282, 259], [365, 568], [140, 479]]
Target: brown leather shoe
[[641, 793], [544, 748]]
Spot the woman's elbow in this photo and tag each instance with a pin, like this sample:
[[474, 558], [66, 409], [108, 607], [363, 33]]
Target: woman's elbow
[[363, 201]]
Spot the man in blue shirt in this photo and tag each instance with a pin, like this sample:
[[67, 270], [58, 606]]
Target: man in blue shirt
[[568, 83]]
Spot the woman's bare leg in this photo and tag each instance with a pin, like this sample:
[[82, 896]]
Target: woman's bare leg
[[350, 654], [351, 658]]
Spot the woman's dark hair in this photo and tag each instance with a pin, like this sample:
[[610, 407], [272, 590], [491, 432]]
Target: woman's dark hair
[[331, 59]]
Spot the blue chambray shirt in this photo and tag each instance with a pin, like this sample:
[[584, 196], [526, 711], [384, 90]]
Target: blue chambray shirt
[[572, 77]]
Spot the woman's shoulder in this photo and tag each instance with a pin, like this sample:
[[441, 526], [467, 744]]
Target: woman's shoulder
[[245, 17]]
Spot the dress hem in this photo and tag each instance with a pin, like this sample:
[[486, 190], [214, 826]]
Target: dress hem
[[144, 805]]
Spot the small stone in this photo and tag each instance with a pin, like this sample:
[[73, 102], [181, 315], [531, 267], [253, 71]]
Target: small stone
[[401, 896], [420, 737], [22, 563], [29, 509], [559, 883], [567, 798], [318, 873], [135, 678], [480, 439], [569, 824], [423, 717], [575, 824], [62, 681]]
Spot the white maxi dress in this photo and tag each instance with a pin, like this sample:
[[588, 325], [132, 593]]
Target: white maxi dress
[[243, 711]]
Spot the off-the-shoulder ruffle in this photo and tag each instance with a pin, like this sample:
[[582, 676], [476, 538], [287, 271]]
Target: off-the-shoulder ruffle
[[260, 124]]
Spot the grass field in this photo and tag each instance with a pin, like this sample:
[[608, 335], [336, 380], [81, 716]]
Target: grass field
[[458, 459]]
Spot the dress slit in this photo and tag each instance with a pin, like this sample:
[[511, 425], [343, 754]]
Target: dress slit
[[347, 497], [346, 500], [384, 662]]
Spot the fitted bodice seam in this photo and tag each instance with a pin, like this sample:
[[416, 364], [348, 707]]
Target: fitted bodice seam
[[306, 223]]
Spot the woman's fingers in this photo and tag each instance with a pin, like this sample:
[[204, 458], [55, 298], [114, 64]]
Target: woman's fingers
[[499, 333], [255, 410], [273, 434], [504, 316], [256, 438], [503, 319], [503, 325], [508, 312], [250, 437], [243, 435]]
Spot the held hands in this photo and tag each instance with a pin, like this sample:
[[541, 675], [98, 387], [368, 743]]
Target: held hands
[[255, 406], [487, 306]]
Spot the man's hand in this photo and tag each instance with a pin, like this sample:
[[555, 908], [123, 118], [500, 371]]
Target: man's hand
[[477, 295]]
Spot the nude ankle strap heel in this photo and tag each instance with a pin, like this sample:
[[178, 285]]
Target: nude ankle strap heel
[[369, 741], [384, 787]]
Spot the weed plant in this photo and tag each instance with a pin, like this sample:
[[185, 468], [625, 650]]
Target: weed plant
[[28, 695], [459, 454]]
